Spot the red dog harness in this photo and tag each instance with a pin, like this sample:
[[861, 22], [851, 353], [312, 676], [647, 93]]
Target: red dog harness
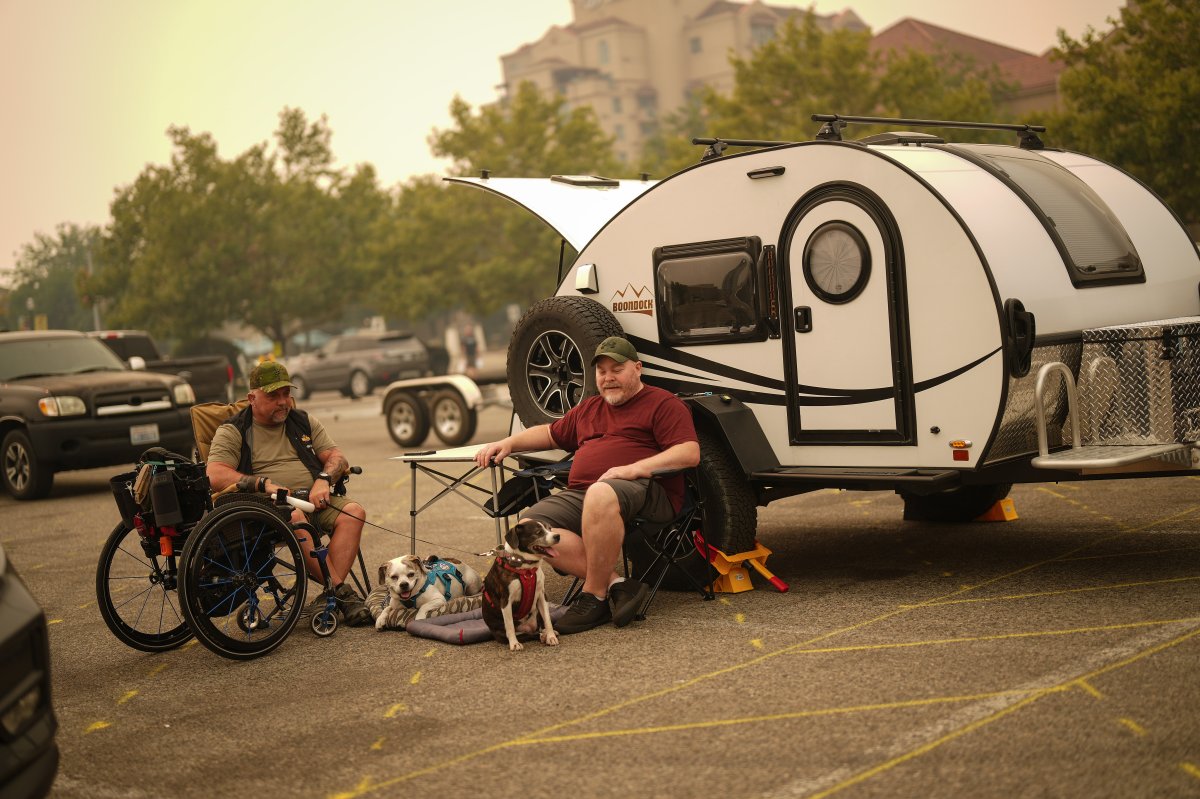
[[528, 578]]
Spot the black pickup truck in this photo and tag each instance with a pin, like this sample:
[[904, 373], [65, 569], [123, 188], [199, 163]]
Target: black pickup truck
[[67, 402], [211, 376]]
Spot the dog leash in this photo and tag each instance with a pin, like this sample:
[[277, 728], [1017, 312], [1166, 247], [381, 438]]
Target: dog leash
[[410, 536]]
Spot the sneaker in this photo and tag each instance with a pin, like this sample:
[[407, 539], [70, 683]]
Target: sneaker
[[585, 613], [626, 598], [316, 606], [354, 610]]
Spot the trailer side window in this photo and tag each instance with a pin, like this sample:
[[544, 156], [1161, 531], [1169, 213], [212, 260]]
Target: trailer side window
[[709, 292], [1091, 239]]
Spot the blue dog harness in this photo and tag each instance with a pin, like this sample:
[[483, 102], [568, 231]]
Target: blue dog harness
[[439, 573]]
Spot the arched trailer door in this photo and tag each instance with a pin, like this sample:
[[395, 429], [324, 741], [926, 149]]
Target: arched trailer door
[[849, 370]]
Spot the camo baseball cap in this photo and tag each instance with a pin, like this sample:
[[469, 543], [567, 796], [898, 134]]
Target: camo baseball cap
[[270, 376], [617, 348]]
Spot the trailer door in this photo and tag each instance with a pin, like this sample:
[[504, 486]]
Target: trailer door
[[849, 368]]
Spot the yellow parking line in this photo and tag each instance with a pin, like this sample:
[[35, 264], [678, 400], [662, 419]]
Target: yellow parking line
[[1133, 726], [1036, 594], [995, 637], [1191, 769]]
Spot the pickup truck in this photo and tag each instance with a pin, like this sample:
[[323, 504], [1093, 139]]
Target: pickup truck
[[211, 376], [68, 402]]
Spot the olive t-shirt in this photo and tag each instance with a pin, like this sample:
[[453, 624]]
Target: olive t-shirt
[[271, 454]]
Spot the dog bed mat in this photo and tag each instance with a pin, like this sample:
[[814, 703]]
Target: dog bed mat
[[376, 603], [467, 627]]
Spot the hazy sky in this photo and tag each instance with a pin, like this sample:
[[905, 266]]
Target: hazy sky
[[89, 87]]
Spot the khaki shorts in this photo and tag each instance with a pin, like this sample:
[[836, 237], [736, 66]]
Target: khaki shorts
[[643, 497], [326, 518]]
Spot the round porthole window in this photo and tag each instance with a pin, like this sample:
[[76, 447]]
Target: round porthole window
[[837, 262]]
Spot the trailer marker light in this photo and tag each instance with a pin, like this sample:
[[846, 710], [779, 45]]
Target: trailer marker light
[[960, 443]]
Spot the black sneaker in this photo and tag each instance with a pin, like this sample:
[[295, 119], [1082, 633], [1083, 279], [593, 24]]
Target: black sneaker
[[626, 598], [585, 613]]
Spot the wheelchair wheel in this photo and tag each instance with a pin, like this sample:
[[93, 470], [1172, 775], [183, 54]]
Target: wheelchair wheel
[[324, 623], [136, 592], [243, 581]]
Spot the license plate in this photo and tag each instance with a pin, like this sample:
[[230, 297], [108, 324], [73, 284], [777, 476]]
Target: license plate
[[143, 434]]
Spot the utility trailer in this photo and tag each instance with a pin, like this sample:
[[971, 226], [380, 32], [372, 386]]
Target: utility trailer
[[899, 313]]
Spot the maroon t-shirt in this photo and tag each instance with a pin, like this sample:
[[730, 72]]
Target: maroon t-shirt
[[603, 436]]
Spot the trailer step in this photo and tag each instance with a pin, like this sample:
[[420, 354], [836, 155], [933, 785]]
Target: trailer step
[[1099, 456], [858, 478]]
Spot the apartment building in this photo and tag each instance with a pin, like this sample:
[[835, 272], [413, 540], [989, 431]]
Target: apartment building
[[632, 60]]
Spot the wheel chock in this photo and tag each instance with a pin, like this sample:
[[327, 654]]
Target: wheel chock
[[1002, 511], [734, 577]]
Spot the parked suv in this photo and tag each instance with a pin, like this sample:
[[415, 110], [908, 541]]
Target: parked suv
[[355, 364], [68, 402]]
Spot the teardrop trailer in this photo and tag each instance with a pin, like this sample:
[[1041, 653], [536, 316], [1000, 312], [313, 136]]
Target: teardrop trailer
[[896, 313]]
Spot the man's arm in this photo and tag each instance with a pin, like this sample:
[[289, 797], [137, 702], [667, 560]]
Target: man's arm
[[335, 463], [681, 456], [534, 438]]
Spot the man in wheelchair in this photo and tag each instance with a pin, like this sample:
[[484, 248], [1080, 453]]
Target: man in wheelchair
[[620, 438], [272, 445]]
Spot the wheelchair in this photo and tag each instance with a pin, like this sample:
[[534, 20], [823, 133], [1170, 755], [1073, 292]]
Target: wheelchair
[[229, 572]]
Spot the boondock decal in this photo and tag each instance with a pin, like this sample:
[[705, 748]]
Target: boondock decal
[[631, 300]]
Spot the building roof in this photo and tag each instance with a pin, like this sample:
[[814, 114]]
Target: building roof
[[1017, 66]]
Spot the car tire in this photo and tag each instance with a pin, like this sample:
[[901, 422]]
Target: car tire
[[406, 418], [23, 473], [962, 504], [299, 388], [453, 422], [359, 385], [728, 519], [550, 353]]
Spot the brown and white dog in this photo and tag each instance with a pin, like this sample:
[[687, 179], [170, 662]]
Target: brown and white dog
[[426, 585], [514, 591]]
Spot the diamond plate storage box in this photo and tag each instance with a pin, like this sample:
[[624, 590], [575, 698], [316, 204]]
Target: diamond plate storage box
[[1140, 383]]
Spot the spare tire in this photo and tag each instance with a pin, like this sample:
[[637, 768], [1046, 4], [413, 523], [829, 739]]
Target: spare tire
[[550, 353]]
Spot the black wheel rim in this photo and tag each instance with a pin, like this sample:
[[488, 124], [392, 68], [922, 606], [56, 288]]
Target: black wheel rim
[[555, 373], [138, 594]]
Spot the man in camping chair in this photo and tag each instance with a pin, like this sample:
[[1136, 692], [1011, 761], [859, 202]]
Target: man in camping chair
[[620, 438], [272, 445]]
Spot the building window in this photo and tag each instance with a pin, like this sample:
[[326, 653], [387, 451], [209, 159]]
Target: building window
[[761, 33], [616, 105], [647, 102], [619, 132], [695, 44], [602, 51]]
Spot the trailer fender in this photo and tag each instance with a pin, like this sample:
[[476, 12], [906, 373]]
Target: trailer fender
[[729, 419], [461, 384]]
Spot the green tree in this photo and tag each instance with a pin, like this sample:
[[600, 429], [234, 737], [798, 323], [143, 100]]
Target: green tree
[[445, 247], [1131, 96], [805, 71], [268, 239], [47, 277]]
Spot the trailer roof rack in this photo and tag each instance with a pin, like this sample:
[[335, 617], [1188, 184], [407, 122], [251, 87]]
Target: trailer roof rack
[[831, 129]]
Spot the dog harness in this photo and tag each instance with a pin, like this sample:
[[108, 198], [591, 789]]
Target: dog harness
[[441, 573], [528, 578]]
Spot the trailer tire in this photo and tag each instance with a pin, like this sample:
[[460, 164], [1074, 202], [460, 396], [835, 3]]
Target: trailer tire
[[962, 504], [406, 418], [453, 422], [550, 353], [728, 518]]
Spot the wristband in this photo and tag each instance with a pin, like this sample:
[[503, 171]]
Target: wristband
[[262, 484]]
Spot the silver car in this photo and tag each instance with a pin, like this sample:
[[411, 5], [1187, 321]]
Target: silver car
[[355, 364]]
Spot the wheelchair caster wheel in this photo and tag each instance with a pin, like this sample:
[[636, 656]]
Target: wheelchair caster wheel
[[252, 619], [324, 623]]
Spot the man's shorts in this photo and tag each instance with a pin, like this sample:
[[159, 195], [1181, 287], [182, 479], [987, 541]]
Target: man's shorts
[[327, 517], [643, 497]]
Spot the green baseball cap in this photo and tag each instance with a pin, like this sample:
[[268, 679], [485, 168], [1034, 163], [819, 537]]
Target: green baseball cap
[[617, 348], [270, 376]]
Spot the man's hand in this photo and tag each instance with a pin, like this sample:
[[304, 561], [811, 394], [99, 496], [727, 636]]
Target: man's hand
[[493, 452], [633, 471], [319, 493]]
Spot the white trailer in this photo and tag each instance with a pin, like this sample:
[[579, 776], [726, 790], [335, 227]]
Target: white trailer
[[895, 313]]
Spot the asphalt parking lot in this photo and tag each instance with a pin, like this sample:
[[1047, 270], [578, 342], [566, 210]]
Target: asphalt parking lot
[[1053, 655]]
